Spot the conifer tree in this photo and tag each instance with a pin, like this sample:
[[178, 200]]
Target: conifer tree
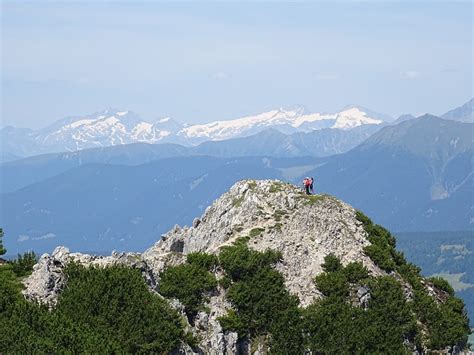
[[2, 249]]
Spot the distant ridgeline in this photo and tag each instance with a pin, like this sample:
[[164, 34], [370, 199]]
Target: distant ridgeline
[[124, 197], [265, 269]]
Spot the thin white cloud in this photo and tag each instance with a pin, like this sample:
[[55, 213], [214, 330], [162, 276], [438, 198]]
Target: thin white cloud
[[411, 74], [23, 237], [46, 236]]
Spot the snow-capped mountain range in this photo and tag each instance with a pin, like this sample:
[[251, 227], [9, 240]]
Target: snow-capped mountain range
[[106, 128], [286, 121], [115, 127]]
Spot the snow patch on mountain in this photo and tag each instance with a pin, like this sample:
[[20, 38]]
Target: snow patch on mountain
[[288, 121], [352, 118]]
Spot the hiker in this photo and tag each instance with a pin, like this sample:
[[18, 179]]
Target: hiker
[[306, 185], [311, 185]]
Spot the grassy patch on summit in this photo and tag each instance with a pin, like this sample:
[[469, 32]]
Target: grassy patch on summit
[[256, 231], [237, 202]]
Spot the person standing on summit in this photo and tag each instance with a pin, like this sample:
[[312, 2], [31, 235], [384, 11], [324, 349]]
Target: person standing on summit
[[307, 185]]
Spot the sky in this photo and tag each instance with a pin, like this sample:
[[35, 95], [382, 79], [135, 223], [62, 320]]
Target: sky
[[204, 61]]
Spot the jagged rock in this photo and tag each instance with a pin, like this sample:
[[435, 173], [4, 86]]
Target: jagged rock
[[47, 279], [184, 349], [196, 222], [303, 228], [363, 295]]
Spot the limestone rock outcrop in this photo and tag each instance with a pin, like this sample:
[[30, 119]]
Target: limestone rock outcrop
[[274, 215]]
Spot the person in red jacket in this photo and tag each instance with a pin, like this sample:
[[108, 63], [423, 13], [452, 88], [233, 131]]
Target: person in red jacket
[[307, 185]]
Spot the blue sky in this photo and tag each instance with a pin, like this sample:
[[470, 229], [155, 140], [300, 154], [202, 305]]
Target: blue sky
[[202, 61]]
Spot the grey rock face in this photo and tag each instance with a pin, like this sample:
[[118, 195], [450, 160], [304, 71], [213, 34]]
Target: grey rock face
[[47, 280], [273, 214], [278, 216]]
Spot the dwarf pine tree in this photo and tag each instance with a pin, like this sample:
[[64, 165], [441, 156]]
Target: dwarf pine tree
[[2, 249]]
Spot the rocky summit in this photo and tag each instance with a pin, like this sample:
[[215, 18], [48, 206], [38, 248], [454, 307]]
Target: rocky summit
[[276, 216], [270, 215]]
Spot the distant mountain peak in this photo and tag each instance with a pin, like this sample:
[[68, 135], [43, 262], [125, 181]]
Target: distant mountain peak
[[287, 120], [464, 113]]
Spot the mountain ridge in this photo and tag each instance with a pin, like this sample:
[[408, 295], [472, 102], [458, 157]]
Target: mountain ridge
[[410, 185], [464, 113], [312, 240], [114, 127]]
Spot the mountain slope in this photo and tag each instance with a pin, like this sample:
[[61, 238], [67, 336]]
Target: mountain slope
[[105, 207], [267, 267], [107, 128], [271, 142], [21, 173], [464, 113], [413, 176], [6, 157]]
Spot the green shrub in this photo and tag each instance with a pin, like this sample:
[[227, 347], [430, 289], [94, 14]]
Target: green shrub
[[225, 281], [233, 322], [410, 272], [380, 256], [203, 260], [109, 310], [187, 283], [276, 226], [355, 272], [361, 217], [389, 316], [237, 202], [399, 258], [278, 214], [23, 264], [2, 249], [331, 263], [442, 284], [239, 261], [382, 249], [332, 284], [256, 231], [262, 305], [9, 287], [334, 326], [447, 323]]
